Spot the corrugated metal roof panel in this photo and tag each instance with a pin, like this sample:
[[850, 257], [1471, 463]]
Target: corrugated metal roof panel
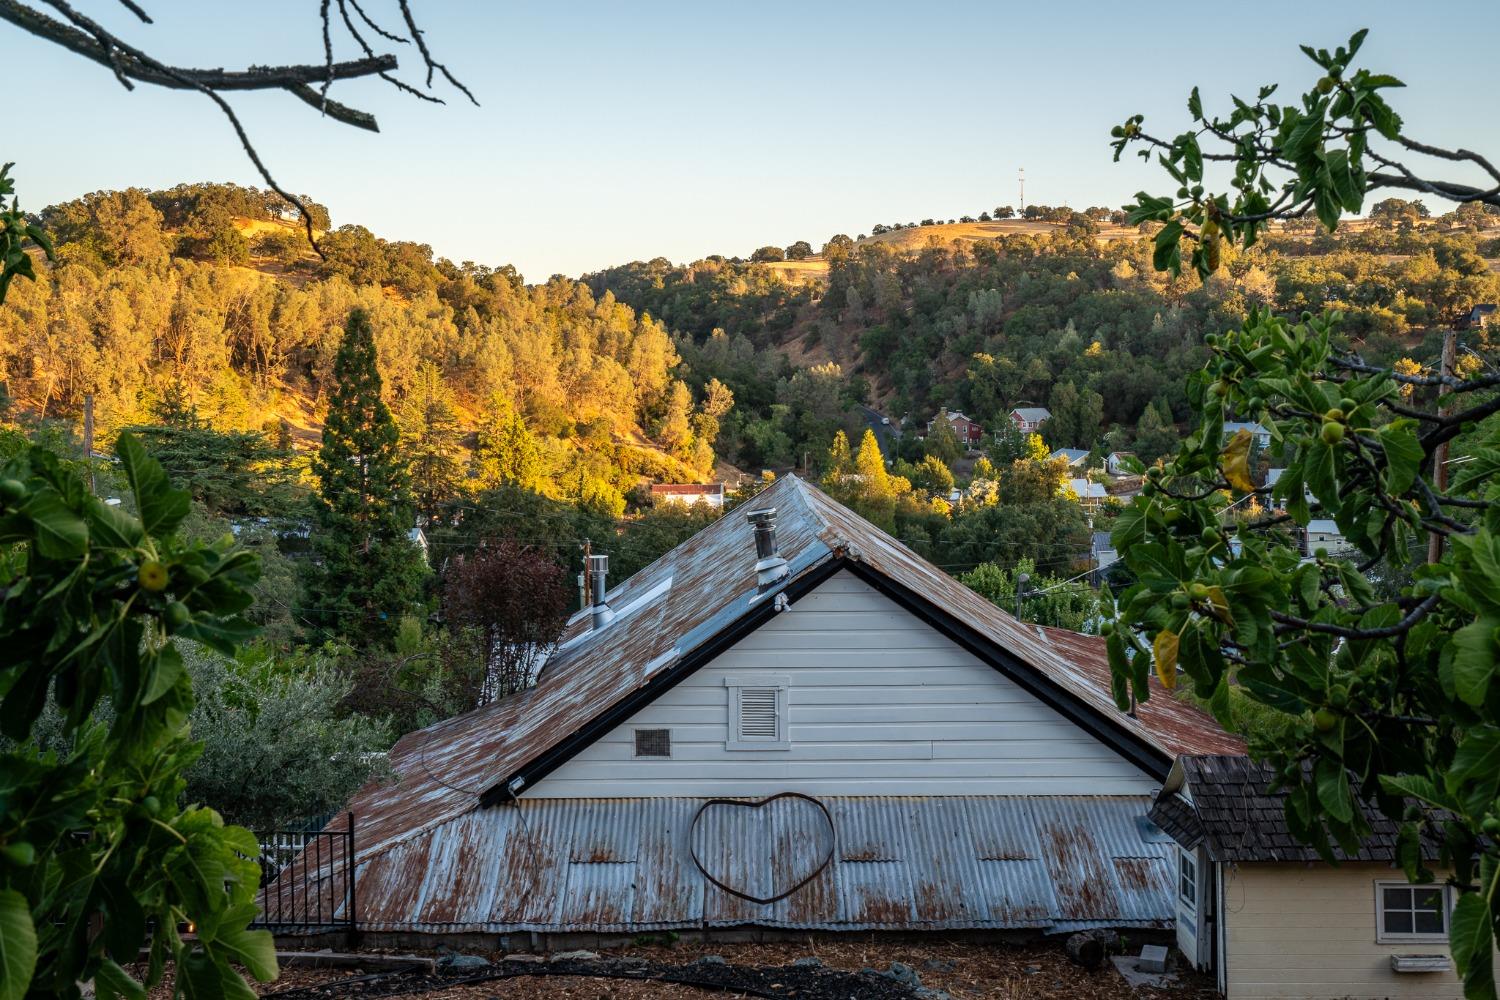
[[623, 865]]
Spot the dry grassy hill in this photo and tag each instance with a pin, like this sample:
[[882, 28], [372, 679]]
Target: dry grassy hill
[[815, 269]]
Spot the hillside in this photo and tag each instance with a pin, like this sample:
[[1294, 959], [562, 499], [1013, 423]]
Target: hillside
[[179, 305], [981, 316], [207, 297]]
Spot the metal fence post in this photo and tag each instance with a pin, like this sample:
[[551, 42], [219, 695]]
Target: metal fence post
[[349, 869]]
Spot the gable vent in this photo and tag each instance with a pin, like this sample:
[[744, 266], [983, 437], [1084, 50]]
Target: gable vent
[[758, 713], [653, 742]]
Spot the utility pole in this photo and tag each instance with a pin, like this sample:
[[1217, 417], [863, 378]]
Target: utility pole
[[1023, 590], [1440, 453], [88, 437], [584, 598]]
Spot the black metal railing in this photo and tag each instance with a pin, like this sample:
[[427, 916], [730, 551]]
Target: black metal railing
[[307, 879]]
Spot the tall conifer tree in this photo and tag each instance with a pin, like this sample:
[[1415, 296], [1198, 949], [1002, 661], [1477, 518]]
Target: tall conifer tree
[[507, 453], [367, 573]]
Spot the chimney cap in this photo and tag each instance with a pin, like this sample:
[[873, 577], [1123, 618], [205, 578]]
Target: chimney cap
[[760, 515]]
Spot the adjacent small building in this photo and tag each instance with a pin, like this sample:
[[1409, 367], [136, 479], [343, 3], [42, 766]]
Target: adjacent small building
[[1123, 463], [1029, 419], [1270, 919], [708, 494]]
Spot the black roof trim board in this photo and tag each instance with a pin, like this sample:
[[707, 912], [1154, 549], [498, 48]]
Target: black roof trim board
[[1132, 747]]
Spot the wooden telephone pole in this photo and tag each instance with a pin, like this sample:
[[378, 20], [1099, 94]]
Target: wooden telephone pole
[[88, 437]]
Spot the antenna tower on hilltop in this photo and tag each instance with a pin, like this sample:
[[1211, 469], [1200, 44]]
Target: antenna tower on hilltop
[[1022, 209]]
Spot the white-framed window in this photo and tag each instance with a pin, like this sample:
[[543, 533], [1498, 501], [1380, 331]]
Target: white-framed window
[[1187, 878], [1406, 912], [757, 712]]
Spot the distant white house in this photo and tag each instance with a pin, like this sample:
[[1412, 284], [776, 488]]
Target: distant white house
[[1102, 551], [1090, 494], [1077, 458], [1273, 476], [1260, 434], [418, 537], [1324, 533], [1029, 419], [708, 494], [1480, 316], [1123, 463]]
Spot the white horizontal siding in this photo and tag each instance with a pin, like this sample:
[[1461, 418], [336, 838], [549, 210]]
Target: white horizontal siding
[[880, 703]]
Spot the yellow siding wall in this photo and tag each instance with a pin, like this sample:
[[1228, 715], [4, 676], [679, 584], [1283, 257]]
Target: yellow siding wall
[[1300, 931]]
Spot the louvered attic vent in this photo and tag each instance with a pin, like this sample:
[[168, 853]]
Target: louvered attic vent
[[758, 713], [653, 742]]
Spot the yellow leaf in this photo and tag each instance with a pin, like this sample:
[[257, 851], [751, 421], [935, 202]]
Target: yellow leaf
[[1235, 458], [1164, 650], [1220, 605]]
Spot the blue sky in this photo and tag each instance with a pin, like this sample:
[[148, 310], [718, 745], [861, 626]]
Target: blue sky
[[611, 132]]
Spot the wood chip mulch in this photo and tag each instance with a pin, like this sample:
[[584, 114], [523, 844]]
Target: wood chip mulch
[[966, 970]]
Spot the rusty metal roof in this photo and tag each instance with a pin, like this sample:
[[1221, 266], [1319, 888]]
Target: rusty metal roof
[[694, 601], [1046, 863]]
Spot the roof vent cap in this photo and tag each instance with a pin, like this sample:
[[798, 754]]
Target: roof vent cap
[[770, 567], [603, 614]]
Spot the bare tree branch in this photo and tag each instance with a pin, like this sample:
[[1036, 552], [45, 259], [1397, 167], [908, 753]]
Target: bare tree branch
[[85, 37], [416, 36]]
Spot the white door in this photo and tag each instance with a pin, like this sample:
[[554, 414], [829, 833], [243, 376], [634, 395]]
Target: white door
[[1189, 905]]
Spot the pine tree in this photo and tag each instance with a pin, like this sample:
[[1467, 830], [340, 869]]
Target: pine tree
[[875, 498], [507, 453], [367, 573], [839, 458], [870, 464], [430, 440], [675, 431]]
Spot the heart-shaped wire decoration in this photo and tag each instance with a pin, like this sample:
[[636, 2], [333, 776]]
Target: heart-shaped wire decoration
[[759, 804]]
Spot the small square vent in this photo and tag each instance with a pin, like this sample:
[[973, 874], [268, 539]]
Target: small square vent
[[653, 742]]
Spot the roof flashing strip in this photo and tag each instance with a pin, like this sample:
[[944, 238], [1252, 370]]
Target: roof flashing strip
[[657, 590]]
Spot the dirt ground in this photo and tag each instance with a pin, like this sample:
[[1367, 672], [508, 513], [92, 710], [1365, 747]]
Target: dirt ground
[[966, 970]]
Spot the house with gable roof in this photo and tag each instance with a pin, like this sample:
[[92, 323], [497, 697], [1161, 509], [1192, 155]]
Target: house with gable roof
[[789, 721]]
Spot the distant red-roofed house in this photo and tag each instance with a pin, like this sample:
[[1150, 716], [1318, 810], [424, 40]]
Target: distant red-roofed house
[[1029, 419], [968, 431]]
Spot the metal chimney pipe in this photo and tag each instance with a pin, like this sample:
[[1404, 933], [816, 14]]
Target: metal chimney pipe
[[602, 613], [769, 566]]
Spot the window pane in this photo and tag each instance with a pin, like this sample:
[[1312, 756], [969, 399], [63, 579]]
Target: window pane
[[1397, 922], [1428, 899], [1429, 922], [1399, 899]]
